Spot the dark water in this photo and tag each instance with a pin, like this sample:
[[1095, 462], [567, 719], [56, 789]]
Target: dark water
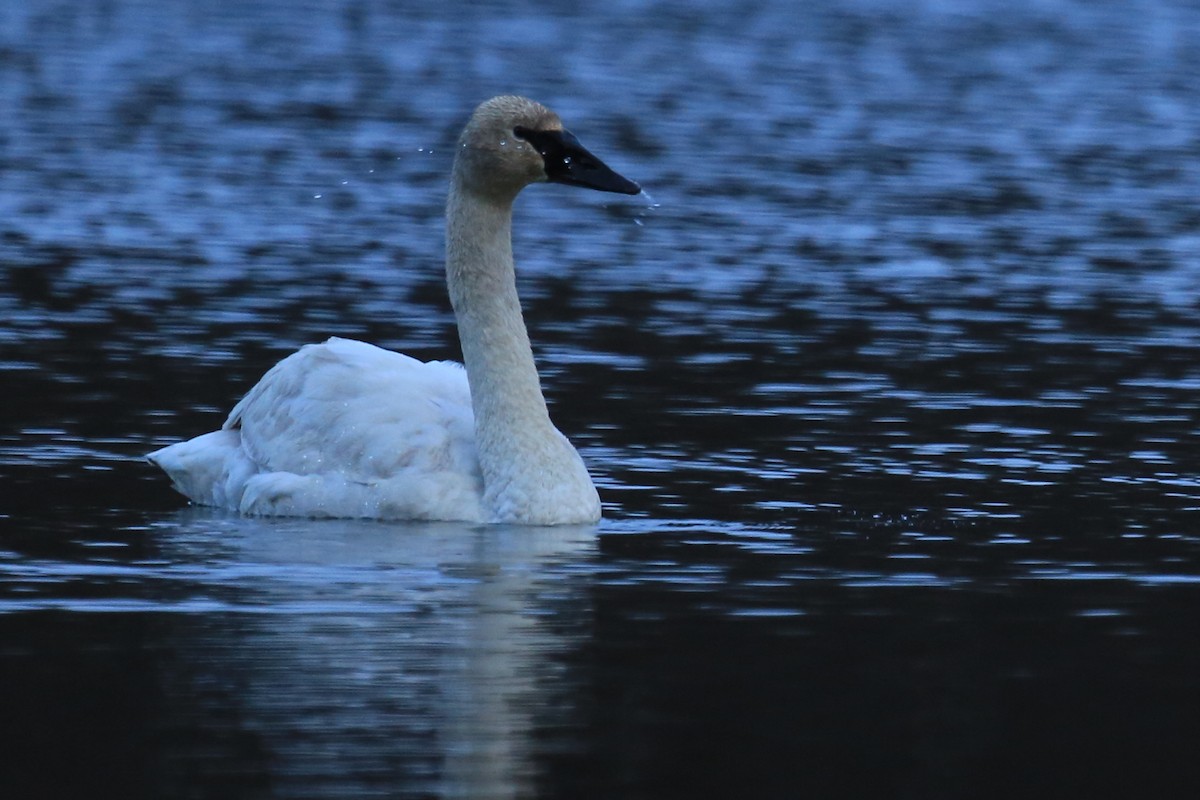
[[890, 387]]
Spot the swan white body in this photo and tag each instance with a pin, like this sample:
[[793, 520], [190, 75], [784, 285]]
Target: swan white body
[[346, 429]]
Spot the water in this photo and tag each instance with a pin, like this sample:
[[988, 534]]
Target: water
[[890, 392]]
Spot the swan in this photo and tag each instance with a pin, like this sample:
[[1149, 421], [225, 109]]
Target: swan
[[347, 429]]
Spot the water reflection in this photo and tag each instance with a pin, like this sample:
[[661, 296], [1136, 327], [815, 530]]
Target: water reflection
[[424, 657]]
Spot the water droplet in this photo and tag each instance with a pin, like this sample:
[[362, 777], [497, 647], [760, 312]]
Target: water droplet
[[316, 197]]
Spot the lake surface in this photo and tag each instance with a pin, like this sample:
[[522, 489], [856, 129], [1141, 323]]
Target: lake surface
[[891, 387]]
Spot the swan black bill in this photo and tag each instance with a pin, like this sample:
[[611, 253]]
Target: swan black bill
[[569, 162]]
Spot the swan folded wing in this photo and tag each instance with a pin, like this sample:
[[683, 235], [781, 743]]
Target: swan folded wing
[[429, 496], [362, 413]]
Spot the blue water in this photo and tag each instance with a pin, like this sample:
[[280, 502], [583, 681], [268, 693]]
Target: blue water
[[889, 384]]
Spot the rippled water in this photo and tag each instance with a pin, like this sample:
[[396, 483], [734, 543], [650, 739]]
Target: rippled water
[[890, 387]]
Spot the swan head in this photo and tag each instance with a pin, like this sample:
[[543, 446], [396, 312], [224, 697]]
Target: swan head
[[511, 142]]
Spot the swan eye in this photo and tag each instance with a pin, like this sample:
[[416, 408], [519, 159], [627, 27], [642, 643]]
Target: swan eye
[[541, 141]]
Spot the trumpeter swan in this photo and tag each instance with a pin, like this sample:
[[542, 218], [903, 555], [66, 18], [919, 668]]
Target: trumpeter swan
[[346, 429]]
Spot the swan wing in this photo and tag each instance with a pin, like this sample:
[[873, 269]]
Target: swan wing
[[358, 410], [342, 429]]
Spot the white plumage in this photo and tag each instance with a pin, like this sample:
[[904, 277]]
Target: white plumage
[[341, 429], [346, 429]]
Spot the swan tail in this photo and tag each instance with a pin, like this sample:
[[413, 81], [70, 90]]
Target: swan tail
[[210, 470]]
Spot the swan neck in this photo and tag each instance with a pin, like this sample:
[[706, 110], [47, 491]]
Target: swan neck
[[530, 471], [482, 282]]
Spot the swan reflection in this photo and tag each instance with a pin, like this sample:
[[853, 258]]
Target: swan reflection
[[354, 654]]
